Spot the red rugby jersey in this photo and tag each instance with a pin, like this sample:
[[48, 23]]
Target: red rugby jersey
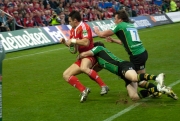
[[83, 30]]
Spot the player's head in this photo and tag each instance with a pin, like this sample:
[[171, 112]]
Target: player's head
[[74, 18], [98, 44], [120, 16]]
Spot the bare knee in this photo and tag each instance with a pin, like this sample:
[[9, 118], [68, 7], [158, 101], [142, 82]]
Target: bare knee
[[134, 79], [66, 76], [84, 70], [134, 97]]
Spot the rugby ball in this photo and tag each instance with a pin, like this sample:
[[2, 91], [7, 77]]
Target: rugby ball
[[73, 48]]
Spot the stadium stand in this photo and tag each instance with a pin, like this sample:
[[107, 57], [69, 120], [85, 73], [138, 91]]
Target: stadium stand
[[20, 14]]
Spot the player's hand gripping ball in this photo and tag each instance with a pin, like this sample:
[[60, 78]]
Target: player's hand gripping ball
[[73, 48]]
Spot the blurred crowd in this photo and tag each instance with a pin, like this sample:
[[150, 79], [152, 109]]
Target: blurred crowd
[[20, 14]]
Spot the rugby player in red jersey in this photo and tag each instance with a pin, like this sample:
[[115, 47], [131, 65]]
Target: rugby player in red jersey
[[81, 36]]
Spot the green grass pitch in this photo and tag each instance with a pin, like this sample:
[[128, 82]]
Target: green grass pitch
[[34, 90]]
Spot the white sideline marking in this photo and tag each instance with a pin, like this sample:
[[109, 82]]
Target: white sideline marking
[[161, 27], [35, 53], [134, 105]]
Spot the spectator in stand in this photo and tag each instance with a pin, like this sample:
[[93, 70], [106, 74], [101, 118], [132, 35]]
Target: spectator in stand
[[60, 8], [165, 6], [2, 7], [107, 14], [18, 24], [30, 8], [69, 6], [146, 10], [155, 9], [85, 16], [34, 2], [116, 6], [128, 7], [6, 4], [110, 12], [47, 16], [178, 4], [15, 8], [42, 8], [173, 6], [27, 2], [96, 15], [48, 7], [55, 20], [141, 10], [37, 19], [21, 19], [90, 14], [21, 9], [5, 21], [45, 3], [62, 18], [10, 9], [53, 4], [1, 2], [37, 7], [44, 20], [28, 21], [66, 13], [134, 11]]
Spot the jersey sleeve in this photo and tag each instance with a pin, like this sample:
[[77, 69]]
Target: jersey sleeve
[[71, 34], [115, 28], [86, 32], [97, 49]]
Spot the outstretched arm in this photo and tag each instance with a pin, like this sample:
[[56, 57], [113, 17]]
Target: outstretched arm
[[109, 39], [63, 41], [85, 54], [103, 34]]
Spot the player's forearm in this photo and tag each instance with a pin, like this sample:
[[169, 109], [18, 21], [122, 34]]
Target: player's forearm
[[85, 54], [83, 42], [100, 34], [117, 41], [104, 34]]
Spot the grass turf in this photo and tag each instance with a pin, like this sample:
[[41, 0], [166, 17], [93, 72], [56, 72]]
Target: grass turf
[[34, 90]]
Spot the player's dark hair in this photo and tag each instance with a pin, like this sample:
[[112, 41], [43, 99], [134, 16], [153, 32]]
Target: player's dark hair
[[75, 15], [122, 14], [98, 44]]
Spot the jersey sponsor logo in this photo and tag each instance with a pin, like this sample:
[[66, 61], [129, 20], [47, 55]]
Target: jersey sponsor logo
[[85, 34], [113, 27]]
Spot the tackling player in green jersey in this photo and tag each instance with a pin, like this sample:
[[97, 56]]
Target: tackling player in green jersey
[[126, 71], [128, 37]]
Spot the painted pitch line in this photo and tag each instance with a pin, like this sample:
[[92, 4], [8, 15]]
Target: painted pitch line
[[65, 47], [134, 105], [34, 54]]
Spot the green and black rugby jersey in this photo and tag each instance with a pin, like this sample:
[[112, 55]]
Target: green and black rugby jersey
[[106, 59], [129, 36]]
